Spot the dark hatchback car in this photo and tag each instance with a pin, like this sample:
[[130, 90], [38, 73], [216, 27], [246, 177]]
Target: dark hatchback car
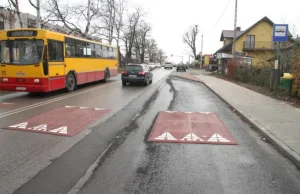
[[181, 67], [137, 73]]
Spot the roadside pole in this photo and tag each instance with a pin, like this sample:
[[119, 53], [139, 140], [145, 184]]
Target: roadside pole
[[201, 54], [38, 19], [280, 34], [277, 68]]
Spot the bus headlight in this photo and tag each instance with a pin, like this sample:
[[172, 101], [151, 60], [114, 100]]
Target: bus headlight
[[5, 80], [36, 80]]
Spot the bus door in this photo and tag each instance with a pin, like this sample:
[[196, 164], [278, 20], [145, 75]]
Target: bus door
[[56, 65]]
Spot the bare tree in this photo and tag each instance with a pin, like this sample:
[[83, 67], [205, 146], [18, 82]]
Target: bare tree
[[140, 40], [107, 17], [71, 15], [130, 31], [152, 50], [110, 20], [8, 14], [161, 56], [189, 38], [119, 24], [15, 5]]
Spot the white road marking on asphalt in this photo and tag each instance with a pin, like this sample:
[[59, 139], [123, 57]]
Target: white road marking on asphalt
[[70, 106], [42, 127], [166, 136], [191, 137], [6, 103], [20, 125], [62, 130], [99, 108], [5, 114], [216, 137], [83, 107]]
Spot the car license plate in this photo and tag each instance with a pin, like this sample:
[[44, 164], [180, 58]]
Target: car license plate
[[21, 88], [132, 76]]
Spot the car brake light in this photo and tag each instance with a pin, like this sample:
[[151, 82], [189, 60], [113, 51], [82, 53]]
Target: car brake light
[[142, 73], [124, 72]]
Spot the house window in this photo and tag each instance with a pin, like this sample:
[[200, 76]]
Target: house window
[[31, 23], [250, 42], [1, 22]]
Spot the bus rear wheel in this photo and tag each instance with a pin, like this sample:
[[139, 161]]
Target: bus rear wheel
[[106, 76], [71, 82]]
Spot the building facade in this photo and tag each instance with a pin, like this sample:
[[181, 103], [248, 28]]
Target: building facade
[[255, 42]]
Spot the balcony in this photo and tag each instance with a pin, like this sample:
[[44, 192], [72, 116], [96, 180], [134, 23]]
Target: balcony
[[259, 46]]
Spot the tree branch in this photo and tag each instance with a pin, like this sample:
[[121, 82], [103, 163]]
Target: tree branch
[[33, 5]]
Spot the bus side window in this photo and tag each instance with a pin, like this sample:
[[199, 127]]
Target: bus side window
[[93, 50], [79, 48], [98, 51], [55, 49], [109, 53], [104, 52], [87, 50], [114, 53]]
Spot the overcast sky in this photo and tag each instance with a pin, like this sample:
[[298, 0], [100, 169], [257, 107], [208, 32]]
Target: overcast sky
[[170, 18]]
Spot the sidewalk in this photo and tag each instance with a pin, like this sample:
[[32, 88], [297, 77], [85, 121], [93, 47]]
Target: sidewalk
[[278, 121]]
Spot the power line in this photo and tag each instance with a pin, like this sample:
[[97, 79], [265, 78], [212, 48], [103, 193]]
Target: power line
[[220, 16]]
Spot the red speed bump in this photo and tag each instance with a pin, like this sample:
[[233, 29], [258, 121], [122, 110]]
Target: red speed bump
[[66, 121], [190, 127]]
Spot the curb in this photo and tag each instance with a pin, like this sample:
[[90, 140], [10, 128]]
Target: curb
[[281, 146], [198, 81]]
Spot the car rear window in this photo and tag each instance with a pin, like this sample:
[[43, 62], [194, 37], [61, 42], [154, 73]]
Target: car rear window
[[134, 68]]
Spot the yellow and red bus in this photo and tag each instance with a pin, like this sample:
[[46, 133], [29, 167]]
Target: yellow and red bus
[[37, 60]]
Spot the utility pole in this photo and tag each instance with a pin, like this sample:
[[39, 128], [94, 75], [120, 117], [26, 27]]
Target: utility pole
[[235, 23], [38, 12], [201, 54], [38, 15]]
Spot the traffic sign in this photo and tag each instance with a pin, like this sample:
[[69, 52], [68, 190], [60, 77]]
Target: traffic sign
[[280, 32]]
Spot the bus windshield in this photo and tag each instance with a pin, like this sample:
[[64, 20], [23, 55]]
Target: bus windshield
[[21, 52]]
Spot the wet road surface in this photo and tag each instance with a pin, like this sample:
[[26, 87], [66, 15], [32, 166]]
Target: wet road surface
[[24, 154], [127, 162], [134, 165]]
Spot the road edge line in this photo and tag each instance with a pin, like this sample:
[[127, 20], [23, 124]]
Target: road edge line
[[81, 182], [284, 149]]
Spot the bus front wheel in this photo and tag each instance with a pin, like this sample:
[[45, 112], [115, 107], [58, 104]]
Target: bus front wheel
[[71, 82]]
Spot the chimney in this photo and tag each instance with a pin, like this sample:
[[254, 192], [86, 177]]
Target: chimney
[[238, 29]]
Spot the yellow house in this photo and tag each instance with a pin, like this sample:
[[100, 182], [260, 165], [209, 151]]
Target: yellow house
[[255, 42]]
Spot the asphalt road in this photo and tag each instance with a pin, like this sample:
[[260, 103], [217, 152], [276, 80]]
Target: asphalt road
[[134, 165], [127, 162], [24, 154]]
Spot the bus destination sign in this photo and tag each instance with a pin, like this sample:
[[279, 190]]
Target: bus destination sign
[[21, 33]]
